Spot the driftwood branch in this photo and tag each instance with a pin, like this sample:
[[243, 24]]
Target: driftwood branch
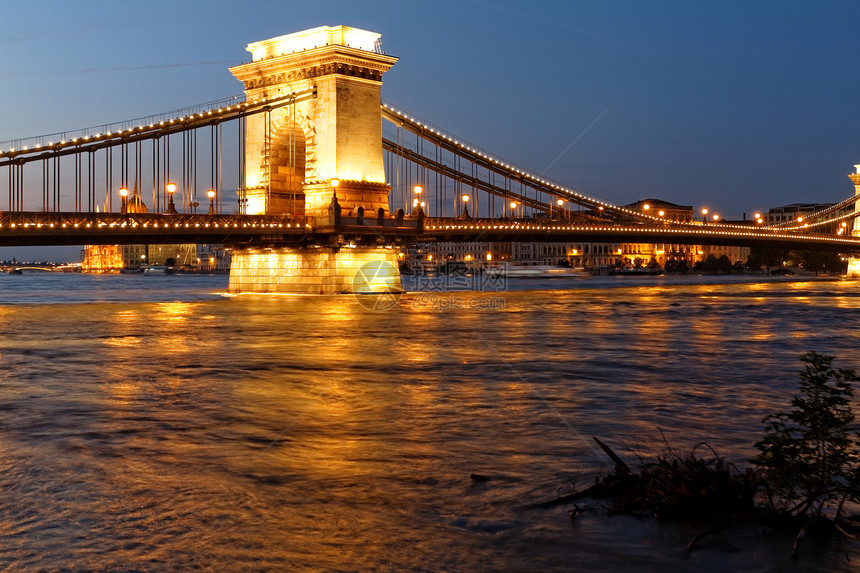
[[800, 535], [593, 491], [716, 529], [620, 466], [847, 534], [701, 535]]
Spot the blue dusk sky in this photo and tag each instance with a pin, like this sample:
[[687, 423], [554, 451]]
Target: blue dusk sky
[[735, 105]]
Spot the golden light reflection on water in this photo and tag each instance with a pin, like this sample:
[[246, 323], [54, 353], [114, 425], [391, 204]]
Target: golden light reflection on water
[[651, 326], [122, 341], [173, 311], [709, 327], [848, 302], [123, 392]]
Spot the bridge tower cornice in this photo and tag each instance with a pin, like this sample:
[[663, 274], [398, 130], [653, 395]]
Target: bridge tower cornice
[[314, 63]]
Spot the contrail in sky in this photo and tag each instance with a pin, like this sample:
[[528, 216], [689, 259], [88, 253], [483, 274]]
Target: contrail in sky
[[572, 143], [121, 69]]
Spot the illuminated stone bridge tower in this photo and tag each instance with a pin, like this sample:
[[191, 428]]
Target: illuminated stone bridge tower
[[853, 262], [327, 141]]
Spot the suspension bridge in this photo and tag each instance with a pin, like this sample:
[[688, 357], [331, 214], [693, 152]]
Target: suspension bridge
[[314, 182]]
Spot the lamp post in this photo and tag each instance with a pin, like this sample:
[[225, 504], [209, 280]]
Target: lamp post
[[334, 208], [211, 194], [514, 209], [704, 215], [560, 202], [465, 206], [417, 203], [171, 189], [123, 192]]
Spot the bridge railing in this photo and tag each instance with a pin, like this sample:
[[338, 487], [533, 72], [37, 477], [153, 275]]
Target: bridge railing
[[50, 139], [39, 219], [373, 222]]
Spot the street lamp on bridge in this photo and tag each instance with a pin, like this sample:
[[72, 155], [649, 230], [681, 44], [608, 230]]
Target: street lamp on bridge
[[704, 214], [514, 209], [560, 203], [211, 194], [123, 192], [171, 189], [465, 206], [417, 203]]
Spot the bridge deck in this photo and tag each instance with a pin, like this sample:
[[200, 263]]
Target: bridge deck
[[38, 228]]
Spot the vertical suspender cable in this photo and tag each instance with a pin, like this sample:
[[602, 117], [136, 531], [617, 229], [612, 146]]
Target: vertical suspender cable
[[220, 195], [57, 183], [156, 165], [241, 164], [194, 166], [184, 180], [163, 189]]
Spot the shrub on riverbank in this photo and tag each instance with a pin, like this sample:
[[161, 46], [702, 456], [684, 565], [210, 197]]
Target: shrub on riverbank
[[807, 468], [809, 456]]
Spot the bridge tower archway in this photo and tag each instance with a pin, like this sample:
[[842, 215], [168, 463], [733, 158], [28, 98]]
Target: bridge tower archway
[[285, 163]]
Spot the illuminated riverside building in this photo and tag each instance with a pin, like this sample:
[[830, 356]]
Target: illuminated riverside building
[[794, 211], [661, 252], [101, 259], [734, 254], [589, 255], [213, 259], [531, 253]]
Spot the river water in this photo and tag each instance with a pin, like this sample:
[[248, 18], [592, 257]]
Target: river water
[[153, 423]]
